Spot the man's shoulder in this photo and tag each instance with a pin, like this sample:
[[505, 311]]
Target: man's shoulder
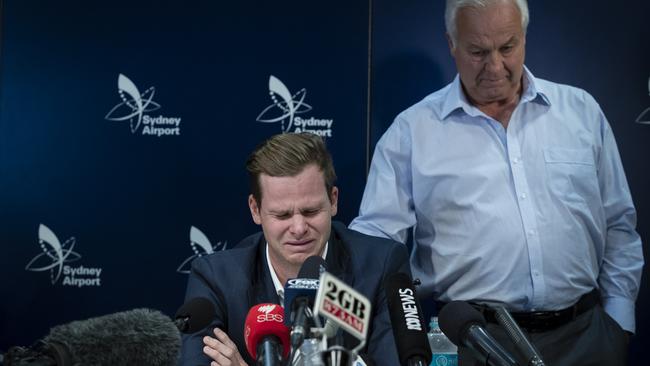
[[558, 92], [237, 259]]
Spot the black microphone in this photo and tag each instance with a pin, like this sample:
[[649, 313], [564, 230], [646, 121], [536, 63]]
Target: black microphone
[[524, 347], [194, 315], [406, 318], [134, 337], [465, 326], [299, 295]]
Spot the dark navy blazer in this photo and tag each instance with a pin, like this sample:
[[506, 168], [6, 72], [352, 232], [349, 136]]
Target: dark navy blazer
[[239, 278]]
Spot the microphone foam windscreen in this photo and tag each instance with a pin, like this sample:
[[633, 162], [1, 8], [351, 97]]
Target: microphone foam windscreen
[[199, 311], [456, 317], [134, 337], [406, 319], [312, 267], [265, 320]]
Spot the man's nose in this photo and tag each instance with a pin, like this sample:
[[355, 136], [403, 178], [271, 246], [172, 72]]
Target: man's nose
[[298, 225], [494, 62]]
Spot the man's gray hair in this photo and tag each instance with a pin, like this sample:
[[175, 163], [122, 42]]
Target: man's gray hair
[[453, 6]]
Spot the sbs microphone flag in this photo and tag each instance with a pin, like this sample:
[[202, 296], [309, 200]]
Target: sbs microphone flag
[[264, 329]]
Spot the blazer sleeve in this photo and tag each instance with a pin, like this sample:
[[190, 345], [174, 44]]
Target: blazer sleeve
[[201, 284]]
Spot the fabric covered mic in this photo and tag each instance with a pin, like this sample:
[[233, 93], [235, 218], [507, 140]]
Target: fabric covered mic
[[524, 347], [265, 335], [465, 326], [135, 337], [194, 315], [406, 318], [299, 295]]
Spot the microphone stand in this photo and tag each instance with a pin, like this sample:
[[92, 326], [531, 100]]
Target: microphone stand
[[525, 348]]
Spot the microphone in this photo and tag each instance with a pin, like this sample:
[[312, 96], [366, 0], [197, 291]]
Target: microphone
[[194, 315], [524, 347], [265, 335], [406, 318], [465, 326], [346, 308], [134, 337], [299, 294]]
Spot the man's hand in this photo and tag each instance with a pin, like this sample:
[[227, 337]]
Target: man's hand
[[222, 350]]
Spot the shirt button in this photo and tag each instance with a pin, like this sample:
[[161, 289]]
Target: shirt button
[[536, 274], [515, 160], [531, 232], [523, 196]]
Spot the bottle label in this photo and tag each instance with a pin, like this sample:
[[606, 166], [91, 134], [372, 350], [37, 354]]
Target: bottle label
[[440, 359]]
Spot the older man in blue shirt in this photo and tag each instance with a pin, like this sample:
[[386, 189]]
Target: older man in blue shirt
[[515, 191]]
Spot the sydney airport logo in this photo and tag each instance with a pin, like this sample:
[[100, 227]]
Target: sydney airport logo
[[644, 117], [136, 107], [289, 110], [55, 257], [200, 246]]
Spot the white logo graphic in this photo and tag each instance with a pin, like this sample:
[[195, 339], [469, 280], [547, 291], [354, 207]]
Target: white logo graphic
[[644, 117], [55, 255], [305, 283], [266, 309], [288, 107], [201, 246], [133, 107]]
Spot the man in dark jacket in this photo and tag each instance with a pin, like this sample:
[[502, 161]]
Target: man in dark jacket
[[293, 198]]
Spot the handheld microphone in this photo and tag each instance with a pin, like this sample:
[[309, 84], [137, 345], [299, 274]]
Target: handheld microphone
[[134, 337], [406, 318], [194, 315], [465, 326], [524, 347], [265, 335], [299, 294]]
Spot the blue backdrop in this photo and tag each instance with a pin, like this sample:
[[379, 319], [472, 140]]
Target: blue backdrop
[[85, 89]]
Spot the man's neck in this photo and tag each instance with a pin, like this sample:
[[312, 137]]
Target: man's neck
[[500, 110]]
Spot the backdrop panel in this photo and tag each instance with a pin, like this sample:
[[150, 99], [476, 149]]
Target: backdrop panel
[[124, 129]]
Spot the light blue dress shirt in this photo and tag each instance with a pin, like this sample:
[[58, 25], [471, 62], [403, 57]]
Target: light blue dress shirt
[[533, 216]]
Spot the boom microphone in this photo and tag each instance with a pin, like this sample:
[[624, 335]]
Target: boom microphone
[[194, 315], [134, 337], [406, 318], [465, 326], [265, 335]]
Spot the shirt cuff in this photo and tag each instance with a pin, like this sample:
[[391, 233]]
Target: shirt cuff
[[622, 311]]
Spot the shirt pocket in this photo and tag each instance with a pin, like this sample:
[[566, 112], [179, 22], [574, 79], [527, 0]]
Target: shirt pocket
[[572, 174]]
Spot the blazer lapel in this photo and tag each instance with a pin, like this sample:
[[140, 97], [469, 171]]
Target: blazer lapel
[[262, 289]]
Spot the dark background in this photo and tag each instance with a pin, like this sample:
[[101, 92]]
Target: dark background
[[129, 200]]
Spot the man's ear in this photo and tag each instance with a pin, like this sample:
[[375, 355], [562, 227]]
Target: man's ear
[[334, 200], [450, 43], [255, 209]]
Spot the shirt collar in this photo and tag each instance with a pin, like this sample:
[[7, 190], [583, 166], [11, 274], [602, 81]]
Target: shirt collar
[[456, 99], [279, 287]]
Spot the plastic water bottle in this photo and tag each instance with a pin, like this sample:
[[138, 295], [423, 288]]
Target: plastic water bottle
[[444, 352]]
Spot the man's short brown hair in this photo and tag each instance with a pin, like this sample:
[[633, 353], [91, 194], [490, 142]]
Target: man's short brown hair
[[287, 155]]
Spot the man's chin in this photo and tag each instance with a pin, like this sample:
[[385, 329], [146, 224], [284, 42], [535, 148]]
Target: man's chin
[[299, 256]]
